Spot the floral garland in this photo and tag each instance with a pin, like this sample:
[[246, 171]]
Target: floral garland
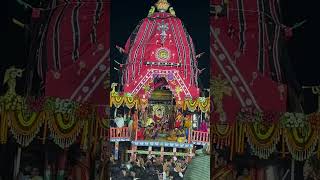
[[222, 134], [64, 128], [263, 139], [190, 105], [130, 101], [116, 101], [202, 103], [12, 102], [25, 116], [25, 127], [301, 141], [293, 120], [63, 106]]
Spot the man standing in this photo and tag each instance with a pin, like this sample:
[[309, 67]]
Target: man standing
[[200, 165], [35, 174], [80, 169], [222, 171]]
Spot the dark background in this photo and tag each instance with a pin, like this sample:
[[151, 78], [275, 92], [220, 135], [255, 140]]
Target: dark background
[[195, 16], [302, 47]]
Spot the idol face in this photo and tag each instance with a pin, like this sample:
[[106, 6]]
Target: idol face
[[159, 113]]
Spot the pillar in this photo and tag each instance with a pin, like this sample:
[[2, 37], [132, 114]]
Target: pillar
[[116, 150], [133, 152]]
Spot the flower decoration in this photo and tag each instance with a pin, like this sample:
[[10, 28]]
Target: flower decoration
[[293, 120], [12, 102], [60, 106]]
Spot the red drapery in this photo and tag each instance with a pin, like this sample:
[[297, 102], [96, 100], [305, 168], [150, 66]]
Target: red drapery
[[245, 51]]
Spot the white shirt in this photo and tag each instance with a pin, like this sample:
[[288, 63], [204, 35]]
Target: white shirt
[[119, 121]]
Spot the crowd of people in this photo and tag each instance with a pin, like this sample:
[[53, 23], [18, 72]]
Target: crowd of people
[[149, 167], [29, 173]]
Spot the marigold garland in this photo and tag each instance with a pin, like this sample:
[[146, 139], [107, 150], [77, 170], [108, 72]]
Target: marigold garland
[[130, 101], [12, 102], [191, 105], [222, 134], [24, 128], [301, 142], [64, 128], [202, 103], [262, 139], [117, 101]]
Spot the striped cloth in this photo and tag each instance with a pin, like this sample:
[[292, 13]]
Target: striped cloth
[[199, 167]]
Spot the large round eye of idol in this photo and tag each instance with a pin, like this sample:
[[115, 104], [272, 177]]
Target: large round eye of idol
[[163, 54]]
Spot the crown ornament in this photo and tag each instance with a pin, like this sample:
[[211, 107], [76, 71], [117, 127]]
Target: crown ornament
[[162, 5]]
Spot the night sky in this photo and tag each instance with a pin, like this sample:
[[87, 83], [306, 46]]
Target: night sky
[[302, 47]]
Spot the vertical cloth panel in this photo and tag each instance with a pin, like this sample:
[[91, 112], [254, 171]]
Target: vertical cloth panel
[[77, 44], [245, 38]]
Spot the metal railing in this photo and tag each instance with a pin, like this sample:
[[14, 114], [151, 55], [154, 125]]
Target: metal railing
[[200, 136], [119, 132]]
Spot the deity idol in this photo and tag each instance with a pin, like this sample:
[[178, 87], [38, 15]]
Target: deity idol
[[178, 122]]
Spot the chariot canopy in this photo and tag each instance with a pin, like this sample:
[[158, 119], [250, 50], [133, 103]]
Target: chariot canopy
[[160, 47]]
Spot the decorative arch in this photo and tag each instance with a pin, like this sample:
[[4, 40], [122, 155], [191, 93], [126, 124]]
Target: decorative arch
[[176, 84]]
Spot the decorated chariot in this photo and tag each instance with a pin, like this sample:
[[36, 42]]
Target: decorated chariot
[[157, 106]]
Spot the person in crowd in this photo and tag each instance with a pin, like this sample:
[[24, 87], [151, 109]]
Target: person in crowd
[[20, 175], [80, 169], [26, 173], [153, 169], [133, 175], [203, 126], [245, 175], [119, 120], [178, 171], [223, 171], [35, 174], [200, 165]]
